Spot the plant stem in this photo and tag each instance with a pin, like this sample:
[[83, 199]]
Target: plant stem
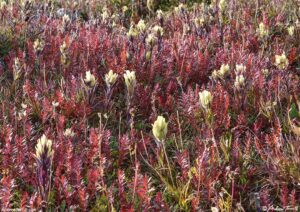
[[169, 167]]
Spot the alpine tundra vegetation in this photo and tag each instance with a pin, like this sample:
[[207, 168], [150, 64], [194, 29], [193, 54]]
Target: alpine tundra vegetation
[[149, 105]]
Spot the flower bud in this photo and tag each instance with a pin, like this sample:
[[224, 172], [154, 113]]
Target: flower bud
[[160, 128]]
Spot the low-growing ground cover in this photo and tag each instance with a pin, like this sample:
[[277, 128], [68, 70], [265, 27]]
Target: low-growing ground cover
[[108, 106]]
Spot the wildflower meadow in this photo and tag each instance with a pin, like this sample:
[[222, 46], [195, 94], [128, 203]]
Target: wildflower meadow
[[150, 105]]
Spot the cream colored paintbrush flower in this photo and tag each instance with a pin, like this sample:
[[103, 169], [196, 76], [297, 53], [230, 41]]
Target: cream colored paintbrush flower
[[110, 78], [262, 30], [214, 74], [239, 81], [105, 15], [240, 68], [265, 72], [43, 148], [124, 9], [66, 19], [55, 104], [159, 14], [199, 22], [69, 133], [89, 79], [281, 61], [17, 68], [151, 39], [214, 209], [38, 45], [2, 4], [130, 81], [141, 26], [63, 48], [291, 30], [205, 99], [181, 7], [133, 32], [224, 70], [160, 128], [222, 5], [64, 58], [158, 30]]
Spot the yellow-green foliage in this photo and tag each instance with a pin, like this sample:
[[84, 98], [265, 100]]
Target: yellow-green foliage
[[6, 38]]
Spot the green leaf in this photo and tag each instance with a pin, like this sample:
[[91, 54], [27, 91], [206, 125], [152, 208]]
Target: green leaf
[[294, 112], [63, 206]]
